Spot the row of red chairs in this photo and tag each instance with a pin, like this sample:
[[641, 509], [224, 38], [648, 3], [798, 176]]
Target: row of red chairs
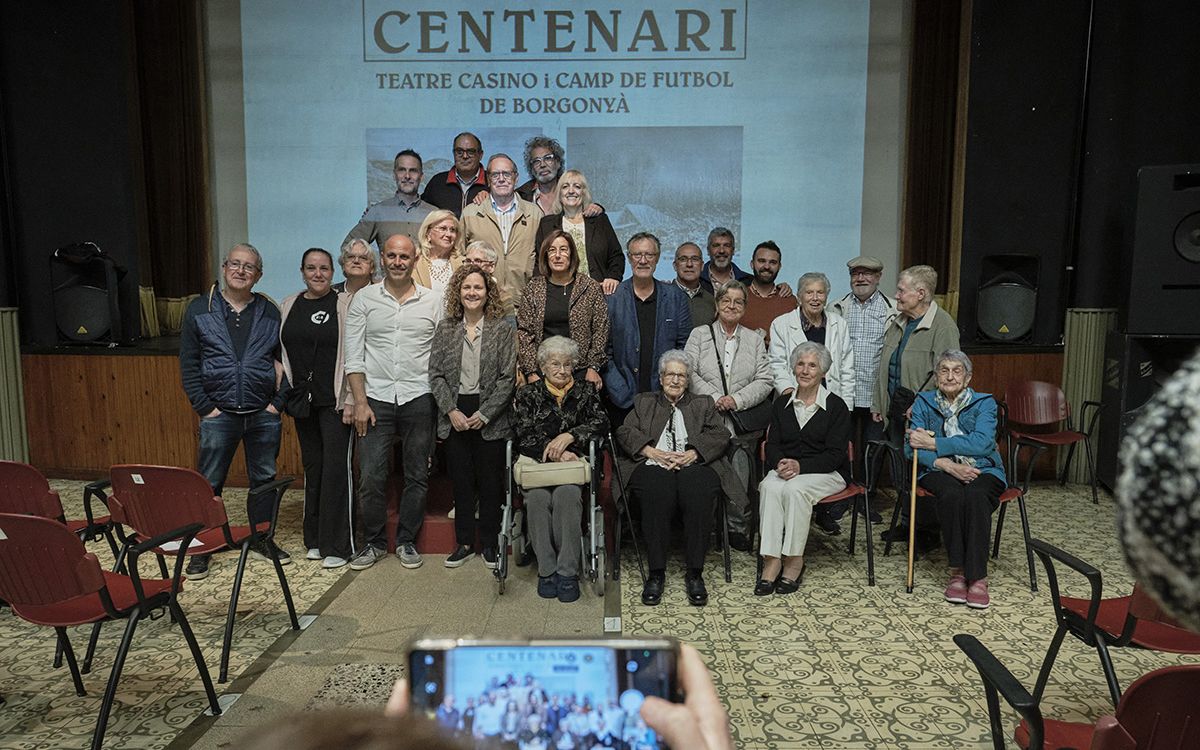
[[47, 576]]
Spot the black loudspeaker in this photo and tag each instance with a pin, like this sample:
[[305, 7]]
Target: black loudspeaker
[[1006, 304], [1162, 273], [1135, 367], [88, 295]]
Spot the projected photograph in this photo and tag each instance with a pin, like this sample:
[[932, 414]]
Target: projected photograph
[[435, 145], [677, 182]]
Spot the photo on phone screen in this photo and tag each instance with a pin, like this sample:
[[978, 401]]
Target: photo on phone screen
[[544, 696]]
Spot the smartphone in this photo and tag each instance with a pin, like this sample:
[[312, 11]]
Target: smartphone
[[543, 694]]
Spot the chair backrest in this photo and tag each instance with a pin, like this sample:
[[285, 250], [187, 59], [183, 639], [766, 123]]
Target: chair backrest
[[1036, 403], [41, 562], [156, 500], [23, 489], [1159, 710]]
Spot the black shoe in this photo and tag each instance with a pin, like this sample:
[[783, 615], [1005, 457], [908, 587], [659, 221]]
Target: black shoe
[[765, 587], [524, 557], [568, 589], [697, 593], [259, 549], [789, 586], [459, 557], [739, 541], [548, 586], [653, 590], [825, 522], [489, 557], [898, 534], [197, 567]]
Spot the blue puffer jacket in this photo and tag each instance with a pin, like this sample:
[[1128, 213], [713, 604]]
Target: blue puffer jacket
[[977, 420], [213, 376], [672, 325]]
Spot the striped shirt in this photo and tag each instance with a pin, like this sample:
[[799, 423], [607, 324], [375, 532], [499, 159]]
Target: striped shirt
[[505, 218], [867, 322]]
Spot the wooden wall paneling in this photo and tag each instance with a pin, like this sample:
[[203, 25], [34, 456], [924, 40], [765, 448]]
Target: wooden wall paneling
[[994, 371], [87, 412]]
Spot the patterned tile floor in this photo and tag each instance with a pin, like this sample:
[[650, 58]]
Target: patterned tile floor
[[837, 665]]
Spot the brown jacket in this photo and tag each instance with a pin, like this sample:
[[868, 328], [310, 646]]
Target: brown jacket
[[588, 322]]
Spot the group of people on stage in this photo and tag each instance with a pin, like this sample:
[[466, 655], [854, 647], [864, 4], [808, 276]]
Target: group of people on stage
[[495, 312], [524, 716]]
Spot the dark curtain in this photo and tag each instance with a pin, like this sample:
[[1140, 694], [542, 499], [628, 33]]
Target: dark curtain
[[170, 77], [929, 173]]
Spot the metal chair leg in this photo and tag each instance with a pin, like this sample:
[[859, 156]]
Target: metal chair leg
[[197, 656], [1048, 662], [91, 648], [1110, 675], [65, 644], [1028, 546], [999, 528], [113, 678], [227, 644]]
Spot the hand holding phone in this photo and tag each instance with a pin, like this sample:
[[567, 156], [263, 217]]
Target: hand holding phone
[[701, 721]]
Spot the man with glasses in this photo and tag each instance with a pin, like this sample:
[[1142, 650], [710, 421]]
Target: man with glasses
[[766, 300], [867, 311], [455, 189], [228, 355], [400, 214], [508, 224], [701, 302], [646, 318]]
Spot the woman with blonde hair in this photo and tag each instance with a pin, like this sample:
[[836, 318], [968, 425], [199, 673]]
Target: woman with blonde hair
[[440, 242]]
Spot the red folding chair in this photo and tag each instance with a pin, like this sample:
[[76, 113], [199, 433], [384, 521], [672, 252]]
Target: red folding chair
[[23, 489], [1157, 712], [147, 499], [1134, 620], [49, 578], [1044, 416]]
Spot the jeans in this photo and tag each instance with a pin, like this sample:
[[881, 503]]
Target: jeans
[[413, 422], [324, 450], [259, 434]]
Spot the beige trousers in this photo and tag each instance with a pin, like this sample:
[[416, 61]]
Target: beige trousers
[[785, 509]]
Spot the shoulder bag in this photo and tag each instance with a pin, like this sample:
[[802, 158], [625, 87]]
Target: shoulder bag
[[745, 421]]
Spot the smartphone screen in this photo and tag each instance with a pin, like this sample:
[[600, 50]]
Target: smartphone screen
[[543, 696]]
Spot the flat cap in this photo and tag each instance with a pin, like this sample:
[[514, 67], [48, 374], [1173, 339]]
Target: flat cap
[[865, 261]]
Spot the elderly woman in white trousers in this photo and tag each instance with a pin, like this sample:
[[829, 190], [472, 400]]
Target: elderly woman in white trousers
[[807, 453]]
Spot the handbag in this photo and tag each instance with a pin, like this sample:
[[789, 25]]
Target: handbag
[[745, 421], [531, 474]]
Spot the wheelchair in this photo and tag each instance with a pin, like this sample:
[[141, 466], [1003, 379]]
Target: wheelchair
[[594, 563]]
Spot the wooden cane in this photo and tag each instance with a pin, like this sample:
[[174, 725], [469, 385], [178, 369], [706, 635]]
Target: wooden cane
[[912, 521]]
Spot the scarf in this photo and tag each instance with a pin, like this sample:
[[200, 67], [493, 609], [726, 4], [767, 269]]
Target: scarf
[[560, 394], [950, 410]]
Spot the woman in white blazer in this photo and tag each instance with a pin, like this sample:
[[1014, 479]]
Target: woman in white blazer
[[811, 321], [726, 346]]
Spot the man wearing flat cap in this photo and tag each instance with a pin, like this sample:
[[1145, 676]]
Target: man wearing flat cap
[[867, 311]]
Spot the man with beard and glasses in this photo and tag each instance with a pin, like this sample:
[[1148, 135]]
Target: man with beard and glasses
[[766, 300]]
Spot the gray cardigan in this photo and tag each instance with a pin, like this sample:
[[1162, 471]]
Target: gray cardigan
[[497, 374]]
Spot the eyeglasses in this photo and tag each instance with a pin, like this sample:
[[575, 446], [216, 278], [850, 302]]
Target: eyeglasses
[[502, 175], [351, 257], [444, 230], [643, 256], [673, 376], [547, 159], [551, 365], [482, 263], [466, 151], [862, 272], [688, 261], [727, 302], [237, 265]]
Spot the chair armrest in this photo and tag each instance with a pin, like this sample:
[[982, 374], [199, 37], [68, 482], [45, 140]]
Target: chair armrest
[[184, 534], [1083, 418], [95, 489], [1048, 553], [1037, 450], [998, 679], [277, 486]]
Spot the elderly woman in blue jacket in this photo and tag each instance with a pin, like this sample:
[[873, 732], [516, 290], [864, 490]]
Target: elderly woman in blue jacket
[[953, 429]]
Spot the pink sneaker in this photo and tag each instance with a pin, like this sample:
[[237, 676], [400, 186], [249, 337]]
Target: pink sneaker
[[977, 595], [956, 590]]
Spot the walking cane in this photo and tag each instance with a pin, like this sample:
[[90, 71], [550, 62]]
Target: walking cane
[[912, 519]]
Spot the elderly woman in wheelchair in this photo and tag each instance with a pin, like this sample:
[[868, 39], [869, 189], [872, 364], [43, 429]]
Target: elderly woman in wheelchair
[[556, 417]]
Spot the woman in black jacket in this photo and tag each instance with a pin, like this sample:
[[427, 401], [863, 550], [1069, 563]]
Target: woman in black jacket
[[806, 450], [600, 254]]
